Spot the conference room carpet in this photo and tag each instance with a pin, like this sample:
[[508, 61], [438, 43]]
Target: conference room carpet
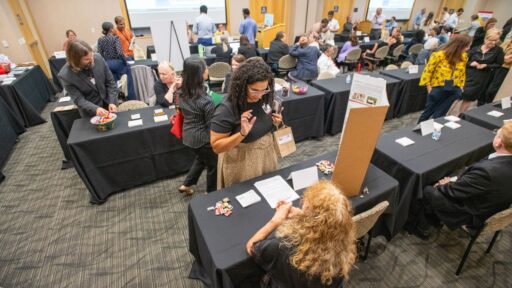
[[50, 236]]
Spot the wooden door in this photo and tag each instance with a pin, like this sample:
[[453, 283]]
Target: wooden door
[[30, 34]]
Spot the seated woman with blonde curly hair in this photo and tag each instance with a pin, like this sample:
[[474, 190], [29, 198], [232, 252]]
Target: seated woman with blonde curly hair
[[313, 246]]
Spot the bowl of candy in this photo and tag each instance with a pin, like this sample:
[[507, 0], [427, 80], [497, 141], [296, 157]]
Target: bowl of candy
[[299, 88], [104, 123]]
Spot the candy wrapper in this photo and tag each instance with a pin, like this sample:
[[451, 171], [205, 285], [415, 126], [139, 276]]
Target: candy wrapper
[[325, 166], [223, 207]]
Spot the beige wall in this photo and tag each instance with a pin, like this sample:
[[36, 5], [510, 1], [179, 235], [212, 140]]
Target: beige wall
[[431, 5], [235, 14], [501, 9], [54, 17], [9, 32]]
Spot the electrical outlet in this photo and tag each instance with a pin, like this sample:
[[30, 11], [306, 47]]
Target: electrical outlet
[[5, 44]]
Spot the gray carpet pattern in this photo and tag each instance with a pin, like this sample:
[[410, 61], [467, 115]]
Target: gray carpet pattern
[[50, 236]]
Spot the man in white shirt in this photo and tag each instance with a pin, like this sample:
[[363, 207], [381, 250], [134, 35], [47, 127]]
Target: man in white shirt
[[334, 25], [445, 15], [326, 63], [453, 21], [378, 20], [204, 27]]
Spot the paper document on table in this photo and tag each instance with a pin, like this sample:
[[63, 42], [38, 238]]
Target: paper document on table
[[505, 103], [452, 125], [134, 123], [160, 118], [64, 99], [452, 118], [495, 113], [276, 189], [427, 127], [404, 141], [304, 178], [248, 198], [135, 116]]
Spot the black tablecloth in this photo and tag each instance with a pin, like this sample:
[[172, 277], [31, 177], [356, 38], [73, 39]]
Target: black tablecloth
[[218, 242], [305, 114], [111, 161], [336, 98], [55, 65], [409, 97], [479, 116], [27, 96], [62, 122], [427, 161], [9, 132]]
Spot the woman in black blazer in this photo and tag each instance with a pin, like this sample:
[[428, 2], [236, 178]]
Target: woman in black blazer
[[223, 51]]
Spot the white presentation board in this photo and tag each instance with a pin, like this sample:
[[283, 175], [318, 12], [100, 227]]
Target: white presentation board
[[173, 50], [142, 13], [401, 9]]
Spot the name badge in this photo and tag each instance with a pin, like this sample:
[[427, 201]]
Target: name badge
[[93, 81]]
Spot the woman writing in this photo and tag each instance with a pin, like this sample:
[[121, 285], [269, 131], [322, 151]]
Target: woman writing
[[481, 61], [167, 85], [242, 125], [313, 247], [197, 108], [444, 77]]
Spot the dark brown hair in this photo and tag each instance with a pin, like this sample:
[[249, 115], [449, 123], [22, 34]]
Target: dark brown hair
[[75, 51], [490, 21], [244, 41], [455, 48], [69, 31], [354, 40], [238, 58]]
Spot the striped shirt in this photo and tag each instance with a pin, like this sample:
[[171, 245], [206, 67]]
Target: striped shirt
[[197, 114]]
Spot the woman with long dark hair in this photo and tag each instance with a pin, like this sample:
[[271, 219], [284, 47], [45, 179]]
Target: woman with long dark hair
[[197, 108], [480, 32], [246, 48], [110, 48], [242, 125], [444, 76]]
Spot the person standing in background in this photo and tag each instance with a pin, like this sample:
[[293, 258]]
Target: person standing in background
[[445, 16], [71, 36], [391, 25], [378, 20], [333, 25], [478, 38], [418, 19], [428, 23], [203, 27], [453, 21], [125, 37], [501, 73], [248, 27]]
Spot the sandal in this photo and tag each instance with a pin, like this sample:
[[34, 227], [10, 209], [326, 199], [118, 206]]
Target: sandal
[[186, 190]]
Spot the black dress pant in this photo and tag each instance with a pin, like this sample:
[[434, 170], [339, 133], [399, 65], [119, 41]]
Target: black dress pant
[[205, 158]]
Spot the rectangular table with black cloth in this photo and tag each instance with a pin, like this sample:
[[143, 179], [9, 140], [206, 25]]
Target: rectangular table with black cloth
[[479, 116], [409, 97], [305, 114], [426, 161], [28, 95], [218, 242], [55, 65], [336, 98], [9, 132], [62, 122], [121, 158]]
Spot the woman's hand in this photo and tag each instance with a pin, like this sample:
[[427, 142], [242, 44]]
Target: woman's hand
[[246, 122], [112, 108], [481, 66], [100, 112], [294, 211], [429, 88], [277, 118], [474, 64], [282, 210]]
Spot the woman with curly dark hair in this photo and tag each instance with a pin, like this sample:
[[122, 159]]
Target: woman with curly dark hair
[[242, 124]]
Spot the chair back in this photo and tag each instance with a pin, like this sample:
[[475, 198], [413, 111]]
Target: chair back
[[365, 26], [391, 67], [398, 50], [131, 105], [365, 221], [325, 75], [353, 55], [218, 71], [498, 221], [382, 52], [415, 49], [143, 82], [405, 64], [287, 62]]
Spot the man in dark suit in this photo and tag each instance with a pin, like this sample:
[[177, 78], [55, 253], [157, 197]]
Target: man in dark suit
[[482, 190], [88, 80]]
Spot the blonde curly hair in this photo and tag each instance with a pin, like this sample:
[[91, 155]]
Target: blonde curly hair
[[322, 238]]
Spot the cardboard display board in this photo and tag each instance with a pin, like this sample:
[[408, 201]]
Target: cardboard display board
[[366, 113]]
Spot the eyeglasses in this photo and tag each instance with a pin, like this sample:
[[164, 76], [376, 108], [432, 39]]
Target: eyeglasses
[[259, 92]]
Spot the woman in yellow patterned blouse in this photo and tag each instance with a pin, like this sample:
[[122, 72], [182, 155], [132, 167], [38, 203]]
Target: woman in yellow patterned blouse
[[444, 77]]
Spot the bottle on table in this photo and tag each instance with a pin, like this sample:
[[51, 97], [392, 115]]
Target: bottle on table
[[436, 134]]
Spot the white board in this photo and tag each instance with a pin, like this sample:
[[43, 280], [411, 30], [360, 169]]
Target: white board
[[168, 49]]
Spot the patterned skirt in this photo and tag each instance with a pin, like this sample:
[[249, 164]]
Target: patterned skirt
[[246, 161]]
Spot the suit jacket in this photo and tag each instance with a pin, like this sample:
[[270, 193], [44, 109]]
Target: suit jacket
[[481, 191], [86, 95]]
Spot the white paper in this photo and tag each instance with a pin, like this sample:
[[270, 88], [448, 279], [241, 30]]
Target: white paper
[[276, 189], [159, 111], [505, 103], [248, 198], [153, 57], [160, 118], [452, 125], [284, 139], [452, 118], [366, 39], [304, 178], [404, 141], [453, 179], [438, 126], [130, 62], [64, 99], [413, 69], [134, 123], [358, 33], [135, 116], [427, 127], [495, 113]]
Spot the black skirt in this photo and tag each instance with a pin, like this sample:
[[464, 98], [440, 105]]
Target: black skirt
[[476, 83]]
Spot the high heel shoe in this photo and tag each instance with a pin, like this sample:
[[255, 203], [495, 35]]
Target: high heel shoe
[[186, 190]]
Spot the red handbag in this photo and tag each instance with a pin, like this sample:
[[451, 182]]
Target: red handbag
[[177, 121]]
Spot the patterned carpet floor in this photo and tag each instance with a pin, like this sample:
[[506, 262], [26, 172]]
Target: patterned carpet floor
[[50, 236]]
